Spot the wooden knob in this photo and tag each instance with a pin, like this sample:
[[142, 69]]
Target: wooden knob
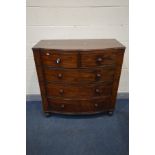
[[47, 54], [61, 91], [58, 60], [96, 105], [62, 106], [98, 75], [59, 75], [99, 59], [97, 90]]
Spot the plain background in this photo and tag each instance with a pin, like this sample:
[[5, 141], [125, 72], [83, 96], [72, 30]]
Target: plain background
[[75, 19], [13, 77]]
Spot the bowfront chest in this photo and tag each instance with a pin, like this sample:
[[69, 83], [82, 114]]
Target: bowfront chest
[[78, 76]]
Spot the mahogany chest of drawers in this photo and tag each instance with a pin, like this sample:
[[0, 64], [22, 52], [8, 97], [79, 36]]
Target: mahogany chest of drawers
[[78, 76]]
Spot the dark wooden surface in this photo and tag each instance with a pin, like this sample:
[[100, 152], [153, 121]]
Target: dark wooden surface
[[79, 106], [82, 81], [79, 44], [98, 58], [78, 91], [79, 75], [66, 60]]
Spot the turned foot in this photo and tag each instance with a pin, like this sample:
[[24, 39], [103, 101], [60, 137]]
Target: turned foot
[[47, 114], [110, 113]]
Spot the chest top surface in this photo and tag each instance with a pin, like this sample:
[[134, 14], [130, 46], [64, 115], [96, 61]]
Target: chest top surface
[[79, 44]]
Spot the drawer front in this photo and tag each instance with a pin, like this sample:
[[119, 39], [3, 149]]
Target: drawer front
[[79, 75], [79, 106], [76, 91], [98, 59], [59, 59]]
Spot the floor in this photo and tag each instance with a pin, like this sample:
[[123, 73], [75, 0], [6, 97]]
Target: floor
[[77, 135]]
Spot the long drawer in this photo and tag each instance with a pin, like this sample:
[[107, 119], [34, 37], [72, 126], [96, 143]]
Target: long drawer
[[79, 75], [78, 91], [79, 106]]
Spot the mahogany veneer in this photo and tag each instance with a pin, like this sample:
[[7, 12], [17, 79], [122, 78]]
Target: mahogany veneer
[[78, 76]]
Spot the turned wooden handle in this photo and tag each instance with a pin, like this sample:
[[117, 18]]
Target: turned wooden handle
[[47, 54], [61, 91], [60, 75], [98, 75], [97, 90], [96, 105], [99, 59], [62, 106]]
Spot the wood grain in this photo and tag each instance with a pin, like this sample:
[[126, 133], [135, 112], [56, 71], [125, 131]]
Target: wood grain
[[79, 44], [84, 81], [79, 106], [98, 58], [79, 75], [40, 73], [78, 91], [68, 60]]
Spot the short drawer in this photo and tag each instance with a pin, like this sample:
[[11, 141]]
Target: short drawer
[[100, 58], [78, 91], [79, 106], [59, 59], [79, 75]]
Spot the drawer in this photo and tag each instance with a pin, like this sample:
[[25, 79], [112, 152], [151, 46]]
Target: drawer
[[59, 59], [78, 91], [97, 59], [79, 106], [79, 75]]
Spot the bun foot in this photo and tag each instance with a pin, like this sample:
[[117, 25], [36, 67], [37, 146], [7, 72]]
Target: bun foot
[[110, 113], [47, 114]]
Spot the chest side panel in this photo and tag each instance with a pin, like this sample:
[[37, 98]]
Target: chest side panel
[[41, 79]]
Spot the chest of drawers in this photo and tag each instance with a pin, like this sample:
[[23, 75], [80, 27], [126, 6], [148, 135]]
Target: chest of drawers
[[78, 76]]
